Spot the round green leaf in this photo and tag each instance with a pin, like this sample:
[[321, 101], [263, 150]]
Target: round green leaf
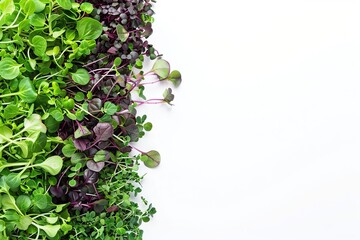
[[161, 68], [52, 165], [65, 4], [122, 33], [57, 115], [101, 155], [23, 202], [110, 108], [39, 5], [148, 126], [72, 183], [175, 78], [27, 91], [24, 222], [81, 76], [11, 111], [151, 159], [9, 69], [89, 28], [39, 43], [87, 7]]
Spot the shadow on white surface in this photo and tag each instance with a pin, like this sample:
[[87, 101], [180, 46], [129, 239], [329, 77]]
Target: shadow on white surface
[[263, 140]]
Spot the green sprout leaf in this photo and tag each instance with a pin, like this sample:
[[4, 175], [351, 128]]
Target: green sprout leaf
[[81, 76], [68, 150], [168, 96], [5, 134], [65, 4], [28, 6], [37, 20], [86, 7], [23, 202], [110, 108], [9, 68], [89, 28], [39, 6], [40, 45], [101, 155], [175, 78], [161, 68], [11, 111], [34, 124], [27, 91], [52, 165], [7, 7], [151, 159], [82, 131], [50, 230], [122, 33], [24, 222]]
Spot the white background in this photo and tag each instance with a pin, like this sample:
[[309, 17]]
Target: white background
[[263, 140]]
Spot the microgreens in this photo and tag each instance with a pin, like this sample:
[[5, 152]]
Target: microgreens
[[71, 80]]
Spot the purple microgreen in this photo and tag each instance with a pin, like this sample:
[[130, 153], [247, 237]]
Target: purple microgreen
[[95, 166], [151, 159], [103, 131]]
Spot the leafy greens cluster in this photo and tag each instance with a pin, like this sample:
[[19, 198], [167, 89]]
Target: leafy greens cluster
[[71, 80]]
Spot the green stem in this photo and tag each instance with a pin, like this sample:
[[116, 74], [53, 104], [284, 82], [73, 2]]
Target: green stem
[[63, 52], [8, 95], [57, 62], [7, 42], [12, 24], [118, 138], [82, 109]]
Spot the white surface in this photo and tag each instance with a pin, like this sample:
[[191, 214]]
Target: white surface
[[263, 140]]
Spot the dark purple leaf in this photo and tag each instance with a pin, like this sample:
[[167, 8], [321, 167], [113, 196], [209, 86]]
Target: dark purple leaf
[[133, 132], [147, 30], [95, 166], [125, 149], [74, 196], [103, 145], [92, 151], [57, 191], [95, 106], [81, 144], [103, 131], [90, 176]]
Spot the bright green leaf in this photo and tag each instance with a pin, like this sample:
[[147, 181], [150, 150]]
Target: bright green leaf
[[89, 28], [34, 124], [68, 150], [65, 4], [9, 68], [50, 230], [81, 76], [27, 91], [52, 164], [86, 7], [110, 108], [82, 131], [161, 68], [7, 7], [122, 33], [24, 222], [5, 133], [57, 115]]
